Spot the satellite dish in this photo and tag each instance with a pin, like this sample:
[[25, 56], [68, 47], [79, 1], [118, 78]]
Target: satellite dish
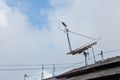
[[84, 47]]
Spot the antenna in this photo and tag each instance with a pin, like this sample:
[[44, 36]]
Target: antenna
[[53, 73], [42, 74], [25, 76], [102, 56], [64, 24], [86, 54], [83, 48], [67, 33]]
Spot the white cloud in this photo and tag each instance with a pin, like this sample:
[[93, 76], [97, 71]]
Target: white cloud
[[3, 12], [93, 18], [21, 43]]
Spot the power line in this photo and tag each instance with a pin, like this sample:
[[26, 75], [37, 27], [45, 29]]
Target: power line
[[106, 53], [19, 69], [46, 66], [112, 51], [13, 67], [24, 65], [61, 64]]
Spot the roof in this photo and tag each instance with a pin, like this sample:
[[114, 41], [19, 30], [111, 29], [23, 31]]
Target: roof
[[108, 63]]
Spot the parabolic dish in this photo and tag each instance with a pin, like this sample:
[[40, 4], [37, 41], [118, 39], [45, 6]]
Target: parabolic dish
[[84, 47]]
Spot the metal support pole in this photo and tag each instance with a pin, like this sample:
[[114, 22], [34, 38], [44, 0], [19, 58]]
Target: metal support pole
[[42, 74], [88, 54], [102, 55], [66, 30], [25, 75], [53, 70], [85, 54], [68, 40], [93, 55]]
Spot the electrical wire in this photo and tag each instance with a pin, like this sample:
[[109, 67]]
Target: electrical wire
[[13, 67], [20, 65], [38, 67], [106, 53], [62, 69], [18, 69], [112, 51], [118, 50], [68, 67], [61, 64]]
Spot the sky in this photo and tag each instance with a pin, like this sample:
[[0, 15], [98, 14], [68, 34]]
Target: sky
[[30, 34]]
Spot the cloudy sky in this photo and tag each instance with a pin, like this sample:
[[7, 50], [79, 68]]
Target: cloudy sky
[[30, 34]]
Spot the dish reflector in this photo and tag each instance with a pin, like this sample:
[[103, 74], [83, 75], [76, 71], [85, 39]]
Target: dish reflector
[[84, 47]]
